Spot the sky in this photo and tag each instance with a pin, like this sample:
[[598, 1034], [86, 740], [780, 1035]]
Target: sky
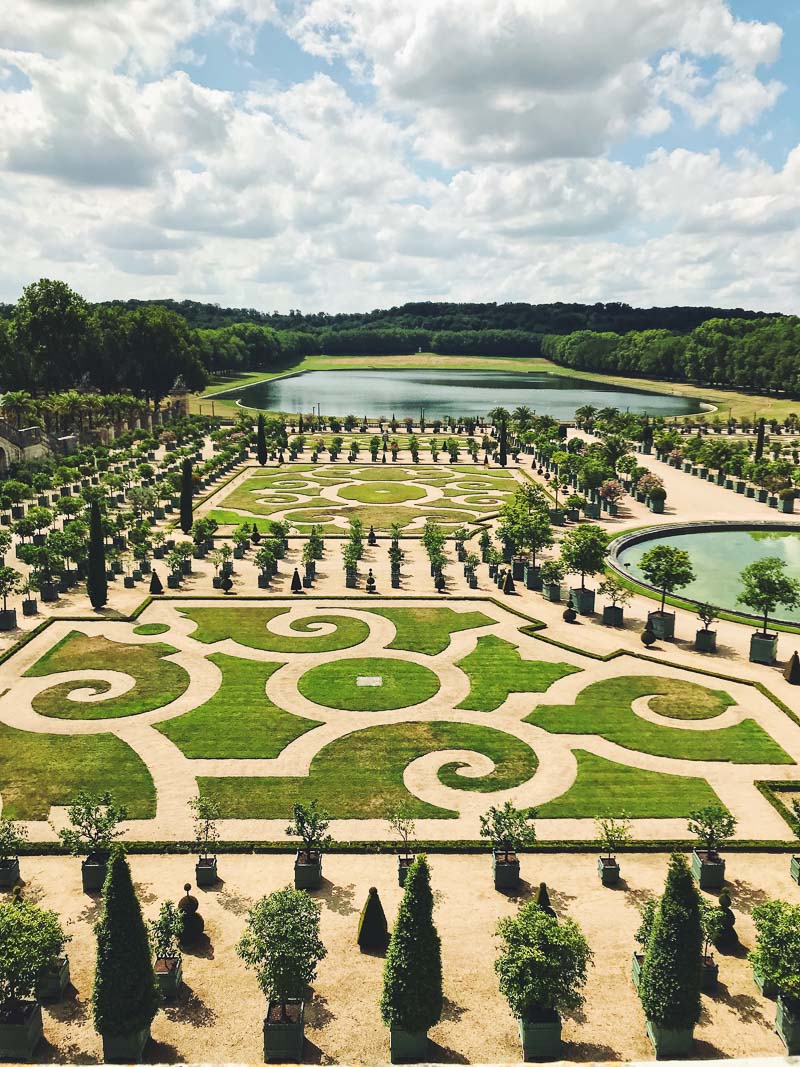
[[344, 155]]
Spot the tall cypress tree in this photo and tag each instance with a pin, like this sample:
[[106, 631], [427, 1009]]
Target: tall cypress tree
[[261, 441], [760, 440], [502, 450], [412, 976], [125, 998], [187, 491], [96, 581]]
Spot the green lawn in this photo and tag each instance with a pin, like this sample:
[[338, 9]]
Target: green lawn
[[231, 518], [604, 789], [381, 492], [604, 708], [239, 721], [248, 627], [495, 669], [150, 629], [360, 776], [158, 682], [403, 684], [39, 770], [428, 630]]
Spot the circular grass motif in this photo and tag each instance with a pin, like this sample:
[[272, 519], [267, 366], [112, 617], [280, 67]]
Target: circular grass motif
[[379, 473], [150, 629], [381, 493], [369, 684]]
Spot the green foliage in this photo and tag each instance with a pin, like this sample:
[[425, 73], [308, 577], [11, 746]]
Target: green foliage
[[509, 828], [428, 630], [373, 931], [206, 816], [31, 939], [187, 493], [766, 587], [412, 977], [667, 568], [125, 997], [583, 550], [261, 441], [776, 957], [613, 834], [166, 931], [401, 822], [612, 588], [310, 823], [670, 981], [713, 826], [543, 963], [281, 943], [496, 669], [13, 836], [95, 820]]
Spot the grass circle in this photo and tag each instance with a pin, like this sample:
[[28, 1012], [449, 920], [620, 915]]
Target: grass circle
[[381, 492], [335, 685], [150, 629]]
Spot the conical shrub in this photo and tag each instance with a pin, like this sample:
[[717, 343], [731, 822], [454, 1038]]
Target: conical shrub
[[373, 930]]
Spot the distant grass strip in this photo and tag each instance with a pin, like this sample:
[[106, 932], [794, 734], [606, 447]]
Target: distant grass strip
[[248, 627], [495, 669], [428, 630]]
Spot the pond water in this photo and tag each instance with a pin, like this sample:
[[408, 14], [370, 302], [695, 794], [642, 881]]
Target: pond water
[[718, 557], [456, 393]]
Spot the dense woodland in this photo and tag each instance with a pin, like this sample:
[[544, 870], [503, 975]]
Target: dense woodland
[[53, 339]]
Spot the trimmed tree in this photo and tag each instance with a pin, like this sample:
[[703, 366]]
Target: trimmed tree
[[261, 441], [411, 1002], [667, 568], [583, 550], [96, 581], [187, 492], [373, 931], [766, 586], [671, 972], [125, 998]]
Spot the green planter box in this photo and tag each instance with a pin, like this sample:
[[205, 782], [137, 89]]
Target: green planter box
[[613, 615], [705, 641], [766, 988], [582, 600], [670, 1044], [403, 867], [408, 1046], [708, 869], [18, 1040], [763, 648], [308, 870], [283, 1038], [794, 869], [787, 1025], [591, 510], [662, 624], [541, 1036], [52, 983], [709, 975], [533, 579], [636, 968], [505, 868], [656, 506], [9, 873], [169, 976], [205, 871], [552, 592], [608, 869], [93, 872], [125, 1048]]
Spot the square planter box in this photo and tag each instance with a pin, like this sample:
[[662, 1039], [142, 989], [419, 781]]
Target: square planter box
[[709, 975], [663, 624], [786, 506], [591, 510], [307, 870], [9, 873], [582, 600], [505, 867], [709, 869], [656, 506], [637, 963], [408, 1046], [283, 1038], [18, 1040], [93, 872], [794, 869], [173, 581], [613, 615], [763, 648], [52, 983], [670, 1044], [705, 641], [533, 578], [169, 976], [8, 619], [767, 989], [125, 1048], [205, 871], [541, 1036], [608, 868], [787, 1025], [263, 581], [403, 867], [552, 592]]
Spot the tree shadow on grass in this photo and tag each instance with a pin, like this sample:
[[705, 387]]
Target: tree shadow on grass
[[318, 1013], [235, 903], [748, 1009], [746, 896], [70, 1009], [188, 1007]]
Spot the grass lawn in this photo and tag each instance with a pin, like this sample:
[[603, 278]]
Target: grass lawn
[[607, 790], [427, 630], [495, 669], [248, 626], [402, 684], [381, 492], [239, 721], [150, 629], [360, 776], [232, 518], [158, 682], [39, 770], [604, 708]]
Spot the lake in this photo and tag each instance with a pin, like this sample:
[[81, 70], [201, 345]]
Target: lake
[[456, 392]]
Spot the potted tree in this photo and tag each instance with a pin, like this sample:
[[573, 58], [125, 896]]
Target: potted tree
[[402, 824], [411, 1002], [713, 826], [509, 829], [281, 943], [552, 574], [666, 568], [12, 838], [794, 863], [30, 605], [583, 552], [165, 934], [705, 640], [642, 937], [29, 939], [95, 819], [766, 587], [206, 816], [612, 834], [669, 988], [310, 824], [612, 588], [10, 582], [125, 997], [542, 970], [712, 921], [776, 961]]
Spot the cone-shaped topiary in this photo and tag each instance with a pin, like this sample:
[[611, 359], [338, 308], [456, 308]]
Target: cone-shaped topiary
[[187, 492], [261, 441], [671, 973], [373, 931], [542, 900], [125, 998], [412, 976], [96, 581], [156, 588]]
